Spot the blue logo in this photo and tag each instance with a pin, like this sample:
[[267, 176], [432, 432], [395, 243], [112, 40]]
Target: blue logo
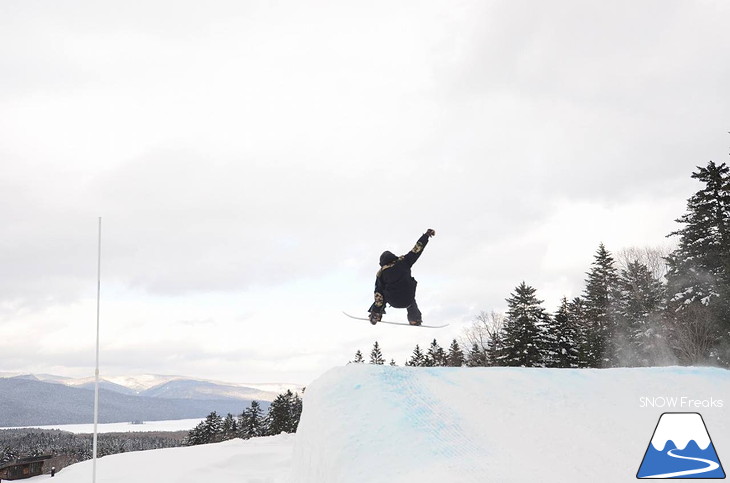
[[681, 448]]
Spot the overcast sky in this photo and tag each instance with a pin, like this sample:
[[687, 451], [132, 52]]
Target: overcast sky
[[252, 159]]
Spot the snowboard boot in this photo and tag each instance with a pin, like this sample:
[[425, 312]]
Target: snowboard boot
[[414, 314]]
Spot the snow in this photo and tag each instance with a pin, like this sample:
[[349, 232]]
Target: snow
[[260, 460], [365, 423]]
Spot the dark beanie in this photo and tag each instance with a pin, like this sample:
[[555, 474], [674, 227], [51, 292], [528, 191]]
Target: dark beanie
[[387, 258]]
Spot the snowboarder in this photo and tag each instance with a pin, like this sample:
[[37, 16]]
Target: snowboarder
[[394, 284]]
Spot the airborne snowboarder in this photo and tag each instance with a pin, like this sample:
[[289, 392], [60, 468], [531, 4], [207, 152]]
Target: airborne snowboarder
[[394, 284]]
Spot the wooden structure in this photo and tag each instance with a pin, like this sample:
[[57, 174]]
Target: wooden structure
[[23, 468]]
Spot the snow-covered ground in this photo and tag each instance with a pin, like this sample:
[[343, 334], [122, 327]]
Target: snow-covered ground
[[364, 423], [262, 460], [146, 427]]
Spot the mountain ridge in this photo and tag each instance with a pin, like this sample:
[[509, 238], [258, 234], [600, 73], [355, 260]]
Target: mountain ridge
[[28, 402]]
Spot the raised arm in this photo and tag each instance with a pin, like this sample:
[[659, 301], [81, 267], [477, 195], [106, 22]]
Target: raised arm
[[411, 257]]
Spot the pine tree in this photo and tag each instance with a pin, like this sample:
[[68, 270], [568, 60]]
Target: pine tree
[[563, 338], [230, 427], [207, 431], [495, 347], [698, 281], [297, 407], [436, 356], [196, 435], [476, 357], [417, 358], [601, 305], [376, 357], [641, 308], [578, 318], [392, 362], [524, 334], [358, 358], [251, 423], [455, 357], [284, 414]]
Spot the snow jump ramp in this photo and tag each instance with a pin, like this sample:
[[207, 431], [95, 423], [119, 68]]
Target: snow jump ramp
[[366, 423]]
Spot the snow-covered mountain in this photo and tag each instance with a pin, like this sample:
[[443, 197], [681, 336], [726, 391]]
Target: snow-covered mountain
[[178, 387], [42, 399]]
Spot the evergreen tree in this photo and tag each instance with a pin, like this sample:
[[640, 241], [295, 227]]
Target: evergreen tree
[[207, 431], [524, 333], [297, 407], [417, 358], [601, 305], [641, 307], [392, 362], [196, 435], [284, 414], [436, 356], [455, 357], [358, 358], [495, 347], [214, 427], [563, 338], [230, 428], [698, 280], [251, 422], [578, 318], [376, 357], [476, 357]]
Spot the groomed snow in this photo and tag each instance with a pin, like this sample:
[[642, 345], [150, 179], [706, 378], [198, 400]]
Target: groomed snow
[[260, 460], [365, 423], [382, 424]]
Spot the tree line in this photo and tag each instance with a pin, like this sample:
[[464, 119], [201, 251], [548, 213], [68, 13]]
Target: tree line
[[647, 307], [69, 448], [433, 356], [283, 416]]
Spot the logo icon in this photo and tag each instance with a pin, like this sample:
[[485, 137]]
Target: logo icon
[[681, 448]]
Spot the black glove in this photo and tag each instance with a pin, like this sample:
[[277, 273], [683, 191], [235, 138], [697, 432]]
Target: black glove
[[430, 232]]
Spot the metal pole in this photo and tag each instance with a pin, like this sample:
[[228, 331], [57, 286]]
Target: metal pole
[[96, 384]]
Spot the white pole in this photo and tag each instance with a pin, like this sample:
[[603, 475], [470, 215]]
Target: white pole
[[96, 384]]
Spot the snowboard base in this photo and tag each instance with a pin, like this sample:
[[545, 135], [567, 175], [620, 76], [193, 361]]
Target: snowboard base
[[398, 323]]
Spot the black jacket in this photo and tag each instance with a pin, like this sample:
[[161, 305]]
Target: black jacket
[[394, 284]]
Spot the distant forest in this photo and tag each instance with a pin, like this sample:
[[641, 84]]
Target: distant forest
[[641, 307], [69, 448]]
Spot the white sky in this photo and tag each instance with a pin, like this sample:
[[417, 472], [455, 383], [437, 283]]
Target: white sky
[[251, 160]]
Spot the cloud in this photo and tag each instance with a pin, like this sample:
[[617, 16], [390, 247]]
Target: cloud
[[256, 158]]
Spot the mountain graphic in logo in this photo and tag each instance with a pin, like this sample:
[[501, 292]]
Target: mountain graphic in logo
[[681, 448]]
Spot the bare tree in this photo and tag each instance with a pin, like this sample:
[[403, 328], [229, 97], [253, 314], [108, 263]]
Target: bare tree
[[693, 336], [654, 258], [484, 330]]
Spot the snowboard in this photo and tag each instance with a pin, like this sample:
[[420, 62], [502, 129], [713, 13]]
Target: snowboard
[[398, 323]]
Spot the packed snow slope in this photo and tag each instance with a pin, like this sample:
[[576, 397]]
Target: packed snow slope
[[365, 423], [258, 460]]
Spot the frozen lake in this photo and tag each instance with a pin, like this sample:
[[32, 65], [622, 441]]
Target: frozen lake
[[147, 426]]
